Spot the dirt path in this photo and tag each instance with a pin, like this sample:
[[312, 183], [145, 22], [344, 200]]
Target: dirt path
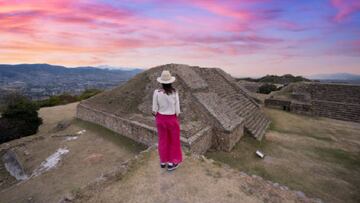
[[196, 180]]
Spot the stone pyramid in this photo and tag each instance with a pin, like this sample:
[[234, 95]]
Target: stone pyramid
[[216, 112]]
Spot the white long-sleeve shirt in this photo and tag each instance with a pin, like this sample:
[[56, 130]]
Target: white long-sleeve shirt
[[166, 104]]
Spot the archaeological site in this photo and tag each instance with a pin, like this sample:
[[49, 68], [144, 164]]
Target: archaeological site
[[337, 101], [215, 111]]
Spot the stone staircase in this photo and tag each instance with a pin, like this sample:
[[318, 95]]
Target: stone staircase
[[237, 101]]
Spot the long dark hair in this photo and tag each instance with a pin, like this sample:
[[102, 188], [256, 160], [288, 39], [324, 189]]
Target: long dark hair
[[168, 88]]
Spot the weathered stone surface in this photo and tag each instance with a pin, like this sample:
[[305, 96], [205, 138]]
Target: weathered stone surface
[[338, 101], [192, 79], [215, 110], [219, 109], [250, 86], [13, 165]]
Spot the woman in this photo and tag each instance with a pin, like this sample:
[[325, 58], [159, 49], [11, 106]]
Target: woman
[[166, 109]]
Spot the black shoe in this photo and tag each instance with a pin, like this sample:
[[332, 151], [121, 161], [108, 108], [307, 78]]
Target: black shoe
[[162, 165], [172, 167]]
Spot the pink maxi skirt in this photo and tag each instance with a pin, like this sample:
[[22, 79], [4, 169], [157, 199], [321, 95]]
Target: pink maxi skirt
[[169, 146]]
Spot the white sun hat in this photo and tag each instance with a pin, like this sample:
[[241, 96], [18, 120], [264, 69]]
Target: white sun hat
[[166, 77]]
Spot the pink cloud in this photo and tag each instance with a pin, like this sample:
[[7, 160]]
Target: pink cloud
[[229, 49], [209, 39], [223, 10], [346, 47], [202, 29], [345, 8]]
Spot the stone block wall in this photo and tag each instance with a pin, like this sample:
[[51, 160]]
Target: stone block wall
[[338, 101], [128, 128], [337, 110], [225, 140], [278, 104], [335, 92], [302, 97], [199, 143], [301, 108]]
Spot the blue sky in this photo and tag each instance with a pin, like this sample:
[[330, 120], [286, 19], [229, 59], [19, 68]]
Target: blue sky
[[243, 37]]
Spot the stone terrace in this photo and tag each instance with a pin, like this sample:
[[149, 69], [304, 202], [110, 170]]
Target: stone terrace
[[215, 110], [338, 101]]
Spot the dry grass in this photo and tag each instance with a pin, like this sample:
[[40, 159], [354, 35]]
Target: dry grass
[[94, 153], [316, 155]]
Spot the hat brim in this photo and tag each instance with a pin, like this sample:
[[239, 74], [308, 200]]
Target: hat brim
[[167, 81]]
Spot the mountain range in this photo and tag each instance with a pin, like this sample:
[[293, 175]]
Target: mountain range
[[40, 73], [39, 81], [325, 78], [36, 74], [336, 77]]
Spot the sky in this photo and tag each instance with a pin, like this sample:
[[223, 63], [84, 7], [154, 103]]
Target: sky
[[243, 37]]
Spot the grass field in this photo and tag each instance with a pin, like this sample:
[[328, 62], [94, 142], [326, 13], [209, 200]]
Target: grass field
[[318, 156]]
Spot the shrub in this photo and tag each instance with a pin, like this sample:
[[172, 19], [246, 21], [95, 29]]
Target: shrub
[[89, 93], [66, 98], [267, 88], [19, 119], [61, 99]]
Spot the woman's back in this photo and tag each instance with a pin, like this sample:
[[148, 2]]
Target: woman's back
[[167, 104]]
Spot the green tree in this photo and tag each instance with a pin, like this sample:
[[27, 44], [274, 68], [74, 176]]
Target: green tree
[[19, 119], [267, 88]]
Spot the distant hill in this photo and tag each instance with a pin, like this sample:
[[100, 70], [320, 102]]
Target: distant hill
[[39, 81], [42, 73], [284, 79], [119, 68], [337, 77]]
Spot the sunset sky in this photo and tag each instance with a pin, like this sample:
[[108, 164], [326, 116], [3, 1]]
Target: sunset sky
[[244, 37]]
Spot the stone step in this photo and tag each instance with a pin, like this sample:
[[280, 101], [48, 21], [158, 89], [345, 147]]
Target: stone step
[[262, 124], [230, 97], [259, 120], [255, 122], [243, 110], [235, 103], [249, 112], [252, 120], [262, 127], [259, 135]]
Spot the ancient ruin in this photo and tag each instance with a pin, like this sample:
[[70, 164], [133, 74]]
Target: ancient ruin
[[216, 112], [337, 101], [250, 86]]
